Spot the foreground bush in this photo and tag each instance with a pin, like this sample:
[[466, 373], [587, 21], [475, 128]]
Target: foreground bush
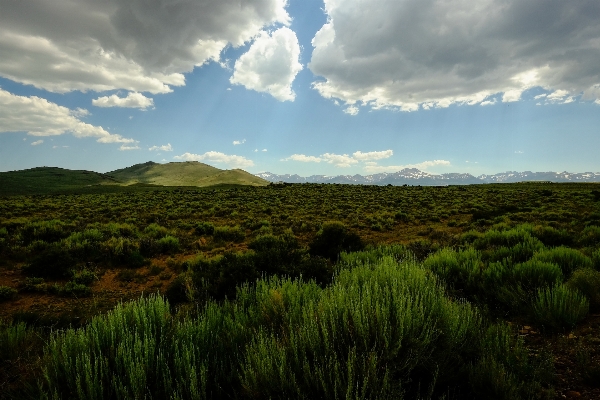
[[382, 330], [559, 307]]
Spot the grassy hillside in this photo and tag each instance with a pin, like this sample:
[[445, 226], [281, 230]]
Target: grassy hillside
[[48, 180], [189, 173]]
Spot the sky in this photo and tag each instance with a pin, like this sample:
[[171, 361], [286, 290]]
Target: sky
[[301, 86]]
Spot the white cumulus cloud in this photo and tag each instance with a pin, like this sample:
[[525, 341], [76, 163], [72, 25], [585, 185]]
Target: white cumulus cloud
[[372, 155], [232, 161], [132, 100], [238, 142], [166, 147], [411, 54], [270, 65], [343, 160], [37, 142], [40, 117], [65, 45]]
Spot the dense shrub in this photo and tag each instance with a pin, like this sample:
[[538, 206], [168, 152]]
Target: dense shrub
[[334, 238], [460, 269], [559, 307], [552, 237], [7, 293], [590, 236], [53, 262], [534, 274], [204, 228], [587, 281], [506, 370], [229, 233], [155, 231], [168, 244], [48, 231], [567, 259]]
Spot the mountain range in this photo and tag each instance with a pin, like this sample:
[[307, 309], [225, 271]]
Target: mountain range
[[413, 176]]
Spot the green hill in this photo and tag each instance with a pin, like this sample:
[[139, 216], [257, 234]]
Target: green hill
[[189, 173], [43, 180], [47, 180]]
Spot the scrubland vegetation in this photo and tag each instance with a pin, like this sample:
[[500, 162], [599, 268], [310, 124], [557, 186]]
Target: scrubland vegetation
[[303, 291]]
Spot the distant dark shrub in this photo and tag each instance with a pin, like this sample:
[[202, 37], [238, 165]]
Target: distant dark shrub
[[75, 289], [204, 228], [84, 277], [587, 281], [7, 293], [590, 236], [552, 237], [53, 262], [229, 233], [181, 289], [421, 249], [148, 246], [332, 239]]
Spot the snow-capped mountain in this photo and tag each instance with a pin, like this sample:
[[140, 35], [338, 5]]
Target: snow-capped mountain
[[413, 176]]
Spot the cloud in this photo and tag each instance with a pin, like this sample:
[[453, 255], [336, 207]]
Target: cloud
[[37, 142], [352, 110], [342, 160], [166, 147], [395, 168], [39, 117], [238, 142], [339, 160], [65, 45], [270, 65], [303, 158], [411, 54], [372, 155], [214, 156], [488, 102], [125, 147], [133, 100], [264, 150]]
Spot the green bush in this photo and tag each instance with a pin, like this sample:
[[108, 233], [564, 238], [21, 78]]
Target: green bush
[[168, 244], [7, 293], [559, 307], [383, 330], [587, 281], [506, 370], [552, 237], [567, 259], [535, 274], [332, 239], [155, 231], [84, 277], [204, 228], [229, 233], [48, 231], [74, 289], [590, 236], [13, 337], [460, 269]]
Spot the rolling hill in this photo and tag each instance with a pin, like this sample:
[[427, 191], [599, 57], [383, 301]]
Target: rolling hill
[[47, 180], [188, 173]]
